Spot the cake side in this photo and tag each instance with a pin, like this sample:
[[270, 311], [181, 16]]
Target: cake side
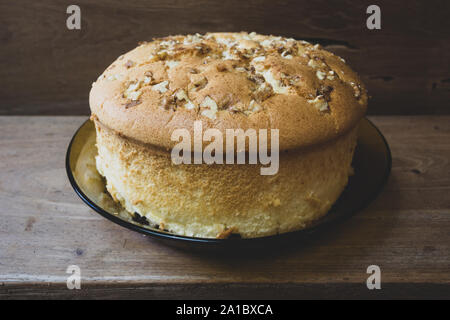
[[214, 200]]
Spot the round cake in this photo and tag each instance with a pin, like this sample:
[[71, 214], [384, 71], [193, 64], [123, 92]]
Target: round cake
[[227, 81]]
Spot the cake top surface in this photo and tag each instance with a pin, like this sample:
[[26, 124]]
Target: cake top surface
[[229, 80]]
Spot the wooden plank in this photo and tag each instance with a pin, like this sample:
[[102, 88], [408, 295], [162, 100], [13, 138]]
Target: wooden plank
[[48, 69], [44, 228]]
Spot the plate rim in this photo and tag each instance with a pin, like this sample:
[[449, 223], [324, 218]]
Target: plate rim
[[170, 236]]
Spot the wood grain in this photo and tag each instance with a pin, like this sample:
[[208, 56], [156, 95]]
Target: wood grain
[[48, 69], [44, 228]]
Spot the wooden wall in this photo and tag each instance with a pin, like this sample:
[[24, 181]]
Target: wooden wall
[[47, 69]]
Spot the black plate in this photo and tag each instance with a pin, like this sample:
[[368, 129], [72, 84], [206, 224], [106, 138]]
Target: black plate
[[372, 163]]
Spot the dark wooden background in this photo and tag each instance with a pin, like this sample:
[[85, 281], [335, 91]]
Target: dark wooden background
[[47, 69]]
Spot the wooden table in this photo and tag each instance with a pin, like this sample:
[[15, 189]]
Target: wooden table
[[44, 228]]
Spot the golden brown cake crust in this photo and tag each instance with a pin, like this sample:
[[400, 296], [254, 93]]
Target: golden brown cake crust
[[229, 80]]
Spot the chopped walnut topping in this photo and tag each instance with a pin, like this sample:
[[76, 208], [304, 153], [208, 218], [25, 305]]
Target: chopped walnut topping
[[287, 54], [168, 44], [133, 92], [202, 49], [234, 109], [147, 80], [256, 78], [132, 103], [210, 107], [325, 91], [316, 62], [198, 83], [264, 61], [148, 77], [226, 102], [161, 87], [288, 80], [181, 95], [190, 105], [294, 80], [320, 103], [135, 95], [357, 89], [161, 55], [221, 67], [133, 86], [129, 64], [189, 39], [168, 103], [277, 85], [171, 64], [115, 77], [330, 75], [264, 92], [259, 59], [228, 55], [253, 107], [320, 74]]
